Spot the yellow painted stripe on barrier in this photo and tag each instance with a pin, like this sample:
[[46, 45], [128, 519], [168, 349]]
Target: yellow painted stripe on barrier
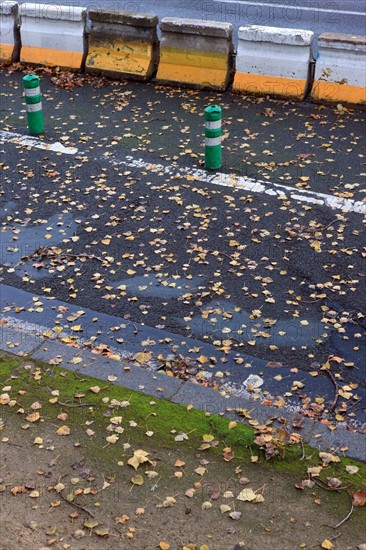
[[332, 91], [192, 75], [194, 58], [124, 57], [275, 85], [50, 57], [6, 51]]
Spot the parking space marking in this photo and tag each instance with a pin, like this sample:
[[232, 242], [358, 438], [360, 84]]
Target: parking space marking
[[248, 184], [28, 141], [278, 190]]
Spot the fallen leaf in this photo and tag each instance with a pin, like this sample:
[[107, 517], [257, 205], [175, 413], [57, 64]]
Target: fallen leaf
[[122, 519], [91, 523], [235, 515], [351, 469], [359, 498], [137, 480], [139, 457], [18, 489], [33, 417], [63, 430], [143, 357], [246, 495], [102, 532], [225, 508]]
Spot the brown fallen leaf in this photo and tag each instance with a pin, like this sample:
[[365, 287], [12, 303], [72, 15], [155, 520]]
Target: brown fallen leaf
[[122, 519], [228, 454], [359, 498], [18, 489]]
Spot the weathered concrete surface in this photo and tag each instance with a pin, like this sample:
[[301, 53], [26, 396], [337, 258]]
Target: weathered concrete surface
[[123, 45], [340, 71], [52, 35], [9, 32], [273, 61], [195, 53]]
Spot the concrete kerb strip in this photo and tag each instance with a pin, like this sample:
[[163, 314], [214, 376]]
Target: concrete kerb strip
[[195, 53], [273, 61], [340, 70], [52, 35], [122, 44], [161, 386], [9, 32]]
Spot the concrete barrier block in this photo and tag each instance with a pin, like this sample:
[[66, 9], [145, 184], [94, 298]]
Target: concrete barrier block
[[273, 61], [122, 44], [195, 53], [52, 35], [340, 70], [9, 32]]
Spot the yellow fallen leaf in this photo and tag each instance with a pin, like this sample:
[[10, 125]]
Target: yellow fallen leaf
[[63, 430], [164, 545], [247, 495], [139, 457], [327, 544], [137, 480], [143, 357]]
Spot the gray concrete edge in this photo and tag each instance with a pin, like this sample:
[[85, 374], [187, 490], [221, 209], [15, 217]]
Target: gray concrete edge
[[158, 385]]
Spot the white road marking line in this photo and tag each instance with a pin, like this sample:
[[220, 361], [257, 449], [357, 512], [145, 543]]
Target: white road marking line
[[28, 141], [288, 7], [247, 184], [217, 178]]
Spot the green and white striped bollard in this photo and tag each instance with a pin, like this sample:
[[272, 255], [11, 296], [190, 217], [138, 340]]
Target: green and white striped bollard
[[33, 101], [213, 156]]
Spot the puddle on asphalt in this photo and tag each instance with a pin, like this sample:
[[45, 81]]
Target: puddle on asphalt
[[159, 285], [224, 319], [18, 241]]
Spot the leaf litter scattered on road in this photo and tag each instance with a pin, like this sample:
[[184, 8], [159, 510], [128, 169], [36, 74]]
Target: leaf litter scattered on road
[[130, 214]]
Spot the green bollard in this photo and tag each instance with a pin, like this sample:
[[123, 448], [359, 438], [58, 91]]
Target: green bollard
[[213, 157], [33, 100]]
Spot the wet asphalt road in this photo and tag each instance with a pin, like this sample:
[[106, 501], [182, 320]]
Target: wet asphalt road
[[273, 279], [342, 17]]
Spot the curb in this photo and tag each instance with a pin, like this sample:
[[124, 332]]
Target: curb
[[181, 392], [270, 61]]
